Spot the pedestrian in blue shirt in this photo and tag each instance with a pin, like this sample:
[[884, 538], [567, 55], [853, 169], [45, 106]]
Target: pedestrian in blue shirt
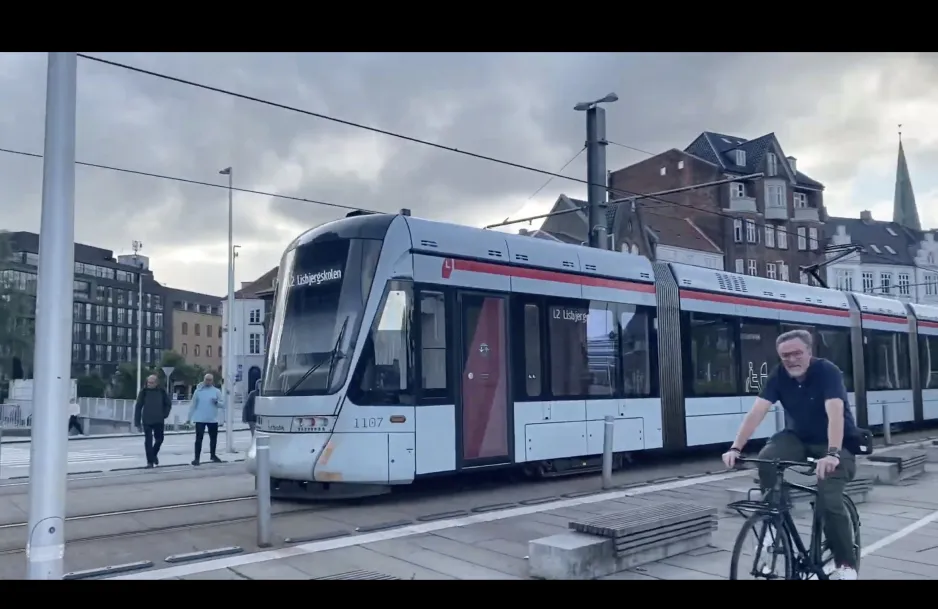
[[206, 403]]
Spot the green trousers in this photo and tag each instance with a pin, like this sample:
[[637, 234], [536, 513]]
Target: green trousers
[[786, 446]]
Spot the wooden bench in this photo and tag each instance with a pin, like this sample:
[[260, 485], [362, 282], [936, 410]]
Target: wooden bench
[[607, 544], [893, 467], [358, 574], [857, 489]]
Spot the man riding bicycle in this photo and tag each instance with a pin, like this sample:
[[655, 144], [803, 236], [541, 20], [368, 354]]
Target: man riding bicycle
[[812, 392]]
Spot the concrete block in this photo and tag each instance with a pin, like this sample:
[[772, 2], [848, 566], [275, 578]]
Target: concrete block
[[877, 471], [581, 556], [931, 452], [571, 556]]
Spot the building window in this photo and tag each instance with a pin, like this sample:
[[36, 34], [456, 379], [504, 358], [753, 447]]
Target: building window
[[931, 258], [254, 344], [255, 316], [195, 351], [208, 331], [804, 278], [783, 271], [753, 269], [868, 283], [769, 235], [812, 232], [782, 238], [741, 158], [771, 164], [885, 282], [220, 351], [185, 349], [751, 235], [185, 328], [680, 164], [802, 241], [931, 284], [208, 351], [776, 196], [664, 170], [737, 190], [903, 284], [844, 280], [770, 270], [738, 230], [740, 266], [800, 200], [198, 330]]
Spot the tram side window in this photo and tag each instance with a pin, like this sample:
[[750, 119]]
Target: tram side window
[[387, 366], [583, 342], [635, 343], [832, 344], [713, 355], [887, 360], [757, 354], [433, 361], [532, 350], [928, 360]]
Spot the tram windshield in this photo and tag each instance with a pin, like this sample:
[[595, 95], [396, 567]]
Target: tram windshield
[[321, 294]]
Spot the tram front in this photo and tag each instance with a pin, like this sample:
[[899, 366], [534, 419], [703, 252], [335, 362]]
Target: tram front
[[322, 291]]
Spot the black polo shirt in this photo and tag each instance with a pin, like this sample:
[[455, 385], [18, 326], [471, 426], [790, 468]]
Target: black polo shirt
[[803, 401]]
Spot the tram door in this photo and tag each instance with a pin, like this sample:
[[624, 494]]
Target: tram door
[[483, 420]]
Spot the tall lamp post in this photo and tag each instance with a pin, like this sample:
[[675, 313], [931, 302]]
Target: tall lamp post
[[137, 245], [229, 374], [48, 454], [596, 167]]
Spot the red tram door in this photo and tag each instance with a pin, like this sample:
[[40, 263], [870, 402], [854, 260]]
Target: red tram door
[[484, 420]]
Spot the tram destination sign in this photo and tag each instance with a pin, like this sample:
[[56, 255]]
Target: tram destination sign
[[317, 278]]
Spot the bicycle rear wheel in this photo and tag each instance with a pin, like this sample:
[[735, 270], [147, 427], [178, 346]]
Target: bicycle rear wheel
[[762, 542]]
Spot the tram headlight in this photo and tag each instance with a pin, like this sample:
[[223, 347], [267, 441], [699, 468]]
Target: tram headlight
[[311, 424]]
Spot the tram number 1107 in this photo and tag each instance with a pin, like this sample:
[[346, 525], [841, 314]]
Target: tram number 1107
[[368, 423]]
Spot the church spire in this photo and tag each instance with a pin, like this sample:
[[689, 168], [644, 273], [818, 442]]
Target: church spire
[[904, 210]]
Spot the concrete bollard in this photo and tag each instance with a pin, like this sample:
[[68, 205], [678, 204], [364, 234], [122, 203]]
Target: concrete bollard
[[608, 437], [262, 484]]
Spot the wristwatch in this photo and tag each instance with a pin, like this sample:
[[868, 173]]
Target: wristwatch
[[833, 452]]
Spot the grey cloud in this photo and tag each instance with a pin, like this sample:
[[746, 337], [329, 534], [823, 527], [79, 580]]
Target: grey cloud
[[515, 107]]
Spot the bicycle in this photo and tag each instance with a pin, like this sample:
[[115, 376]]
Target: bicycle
[[774, 514]]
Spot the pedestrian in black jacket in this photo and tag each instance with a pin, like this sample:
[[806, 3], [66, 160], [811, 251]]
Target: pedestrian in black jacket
[[247, 413], [150, 413]]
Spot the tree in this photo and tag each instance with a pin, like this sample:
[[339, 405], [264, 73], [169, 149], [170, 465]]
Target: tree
[[16, 323], [91, 386]]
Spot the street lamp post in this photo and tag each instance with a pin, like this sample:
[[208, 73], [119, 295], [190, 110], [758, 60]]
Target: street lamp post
[[48, 454], [137, 246], [229, 374], [596, 167]]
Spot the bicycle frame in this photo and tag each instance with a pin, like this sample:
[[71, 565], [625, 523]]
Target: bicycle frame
[[777, 505]]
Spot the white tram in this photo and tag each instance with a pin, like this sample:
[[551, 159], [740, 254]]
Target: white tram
[[402, 348]]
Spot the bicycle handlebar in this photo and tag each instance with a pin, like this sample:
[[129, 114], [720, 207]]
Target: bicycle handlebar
[[779, 463]]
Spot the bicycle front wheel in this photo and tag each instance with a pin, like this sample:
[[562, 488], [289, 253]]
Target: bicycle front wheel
[[762, 550]]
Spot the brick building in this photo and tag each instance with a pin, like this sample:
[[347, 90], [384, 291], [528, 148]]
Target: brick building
[[766, 227]]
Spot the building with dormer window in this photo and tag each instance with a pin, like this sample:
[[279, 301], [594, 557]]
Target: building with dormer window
[[767, 227]]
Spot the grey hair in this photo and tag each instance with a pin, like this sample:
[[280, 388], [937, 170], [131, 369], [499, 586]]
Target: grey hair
[[802, 335]]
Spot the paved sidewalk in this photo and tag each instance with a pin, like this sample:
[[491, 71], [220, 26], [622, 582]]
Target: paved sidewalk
[[899, 536]]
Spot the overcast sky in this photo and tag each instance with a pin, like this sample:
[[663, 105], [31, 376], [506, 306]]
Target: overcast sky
[[837, 113]]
